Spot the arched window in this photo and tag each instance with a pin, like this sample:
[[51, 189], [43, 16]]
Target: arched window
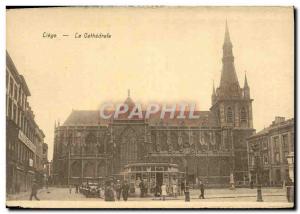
[[174, 140], [100, 147], [164, 145], [229, 115], [89, 169], [101, 169], [90, 143], [76, 169], [128, 147], [243, 115]]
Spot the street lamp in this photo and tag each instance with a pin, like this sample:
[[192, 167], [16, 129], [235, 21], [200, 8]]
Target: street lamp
[[257, 154]]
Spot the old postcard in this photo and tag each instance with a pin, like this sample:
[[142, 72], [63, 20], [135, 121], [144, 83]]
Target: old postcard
[[150, 107]]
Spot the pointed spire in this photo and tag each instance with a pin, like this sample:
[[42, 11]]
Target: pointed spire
[[246, 82], [227, 35], [229, 83], [129, 101], [214, 90], [213, 96]]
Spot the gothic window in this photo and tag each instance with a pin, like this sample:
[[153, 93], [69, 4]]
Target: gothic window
[[76, 169], [100, 147], [101, 169], [229, 115], [185, 138], [89, 170], [164, 145], [174, 140], [243, 115], [90, 144], [128, 146], [153, 140]]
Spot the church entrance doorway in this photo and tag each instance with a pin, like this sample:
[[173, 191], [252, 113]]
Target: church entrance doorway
[[159, 178]]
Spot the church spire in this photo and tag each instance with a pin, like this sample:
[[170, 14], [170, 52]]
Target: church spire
[[213, 96], [214, 90], [227, 36], [229, 84], [246, 88], [128, 100], [246, 82]]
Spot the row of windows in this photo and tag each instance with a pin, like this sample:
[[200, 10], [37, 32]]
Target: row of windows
[[18, 116], [284, 143], [279, 150], [15, 92], [20, 152]]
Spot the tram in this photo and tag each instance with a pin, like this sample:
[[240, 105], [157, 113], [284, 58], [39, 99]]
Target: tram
[[152, 174]]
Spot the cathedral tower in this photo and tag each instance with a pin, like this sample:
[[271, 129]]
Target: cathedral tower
[[232, 109], [231, 104]]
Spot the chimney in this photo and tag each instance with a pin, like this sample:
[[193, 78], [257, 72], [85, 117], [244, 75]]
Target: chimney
[[278, 120]]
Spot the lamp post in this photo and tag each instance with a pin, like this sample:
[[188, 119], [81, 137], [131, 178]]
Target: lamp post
[[257, 155]]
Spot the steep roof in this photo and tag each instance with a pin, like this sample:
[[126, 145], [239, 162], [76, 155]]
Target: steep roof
[[83, 117], [92, 118]]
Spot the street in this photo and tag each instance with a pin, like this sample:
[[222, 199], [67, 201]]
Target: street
[[243, 197]]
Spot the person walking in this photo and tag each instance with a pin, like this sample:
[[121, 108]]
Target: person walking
[[142, 187], [118, 188], [70, 189], [34, 190], [163, 191], [174, 189], [77, 188], [125, 190], [201, 185], [109, 192], [182, 187]]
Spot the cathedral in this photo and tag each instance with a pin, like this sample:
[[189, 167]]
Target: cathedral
[[211, 148]]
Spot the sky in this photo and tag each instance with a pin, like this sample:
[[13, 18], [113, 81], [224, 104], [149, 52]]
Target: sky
[[165, 55]]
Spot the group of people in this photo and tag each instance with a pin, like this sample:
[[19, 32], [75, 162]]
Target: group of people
[[114, 191], [118, 188]]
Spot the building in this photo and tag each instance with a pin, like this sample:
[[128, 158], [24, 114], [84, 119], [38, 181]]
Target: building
[[212, 148], [24, 138], [275, 143]]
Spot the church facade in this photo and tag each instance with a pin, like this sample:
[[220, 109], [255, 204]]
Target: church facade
[[211, 148]]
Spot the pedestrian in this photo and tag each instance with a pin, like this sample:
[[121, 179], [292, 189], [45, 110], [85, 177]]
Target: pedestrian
[[118, 189], [182, 187], [146, 187], [70, 189], [201, 190], [163, 191], [77, 187], [187, 192], [34, 190], [109, 193], [141, 185], [174, 189], [156, 191], [125, 189]]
